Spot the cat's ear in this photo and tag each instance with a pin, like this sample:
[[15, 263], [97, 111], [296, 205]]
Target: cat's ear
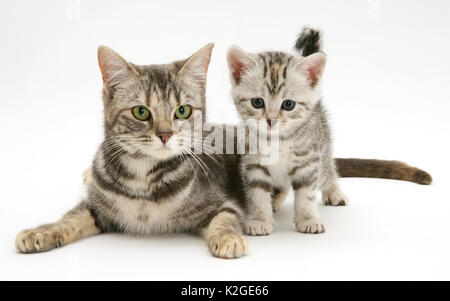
[[196, 66], [239, 62], [312, 67], [114, 68]]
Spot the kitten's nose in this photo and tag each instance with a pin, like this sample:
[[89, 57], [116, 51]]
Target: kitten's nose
[[164, 136], [271, 122]]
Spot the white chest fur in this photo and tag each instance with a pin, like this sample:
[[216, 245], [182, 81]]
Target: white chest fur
[[279, 171], [142, 216], [145, 217]]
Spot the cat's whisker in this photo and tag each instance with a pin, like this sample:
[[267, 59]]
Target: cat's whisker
[[207, 171], [186, 158], [210, 156]]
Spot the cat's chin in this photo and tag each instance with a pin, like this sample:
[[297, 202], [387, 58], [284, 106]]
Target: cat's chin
[[164, 153]]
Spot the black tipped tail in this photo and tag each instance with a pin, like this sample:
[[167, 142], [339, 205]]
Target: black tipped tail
[[308, 42]]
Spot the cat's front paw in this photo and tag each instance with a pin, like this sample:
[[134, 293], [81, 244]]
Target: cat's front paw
[[39, 240], [228, 245], [334, 198], [256, 227], [311, 226]]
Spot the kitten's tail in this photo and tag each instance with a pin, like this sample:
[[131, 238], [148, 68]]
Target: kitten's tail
[[308, 42], [369, 168]]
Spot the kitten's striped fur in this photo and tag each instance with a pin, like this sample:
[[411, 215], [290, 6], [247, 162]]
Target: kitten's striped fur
[[138, 185], [305, 149]]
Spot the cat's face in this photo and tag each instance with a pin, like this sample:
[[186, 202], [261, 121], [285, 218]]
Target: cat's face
[[275, 87], [149, 110]]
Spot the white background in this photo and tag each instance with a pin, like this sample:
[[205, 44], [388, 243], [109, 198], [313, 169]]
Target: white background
[[386, 88]]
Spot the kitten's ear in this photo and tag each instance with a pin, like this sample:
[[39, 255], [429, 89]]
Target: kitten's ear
[[196, 66], [239, 62], [113, 67], [312, 67]]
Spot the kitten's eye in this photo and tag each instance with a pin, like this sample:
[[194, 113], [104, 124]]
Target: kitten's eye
[[183, 112], [141, 113], [257, 103], [288, 105]]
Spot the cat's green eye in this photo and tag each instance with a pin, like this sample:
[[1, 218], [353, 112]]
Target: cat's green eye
[[183, 112], [141, 113]]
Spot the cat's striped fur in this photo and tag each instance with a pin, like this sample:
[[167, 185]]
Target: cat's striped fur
[[139, 185], [305, 148]]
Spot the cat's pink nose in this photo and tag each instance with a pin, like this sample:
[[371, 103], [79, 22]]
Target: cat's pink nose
[[165, 136]]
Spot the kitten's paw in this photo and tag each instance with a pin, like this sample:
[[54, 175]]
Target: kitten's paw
[[39, 240], [228, 245], [334, 198], [255, 227], [312, 226]]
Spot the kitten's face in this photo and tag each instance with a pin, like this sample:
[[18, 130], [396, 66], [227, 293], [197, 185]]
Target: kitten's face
[[274, 87], [149, 110]]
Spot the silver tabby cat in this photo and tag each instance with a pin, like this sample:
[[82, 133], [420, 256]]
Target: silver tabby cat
[[144, 179], [284, 90]]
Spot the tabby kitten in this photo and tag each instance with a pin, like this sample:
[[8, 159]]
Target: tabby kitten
[[144, 179], [284, 91]]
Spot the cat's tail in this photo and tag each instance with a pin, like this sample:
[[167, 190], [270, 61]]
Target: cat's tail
[[370, 168], [308, 42]]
